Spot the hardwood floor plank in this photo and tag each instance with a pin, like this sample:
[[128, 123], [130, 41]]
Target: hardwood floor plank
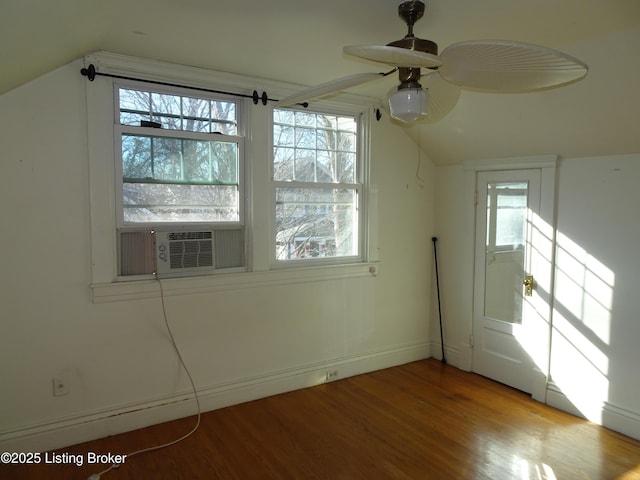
[[423, 420]]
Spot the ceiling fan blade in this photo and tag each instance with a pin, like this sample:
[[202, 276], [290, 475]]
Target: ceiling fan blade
[[331, 86], [503, 66], [443, 96], [394, 56]]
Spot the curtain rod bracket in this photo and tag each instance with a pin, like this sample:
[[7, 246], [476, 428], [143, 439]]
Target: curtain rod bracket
[[257, 98], [89, 72]]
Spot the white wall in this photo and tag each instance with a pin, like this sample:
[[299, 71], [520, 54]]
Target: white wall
[[596, 317], [594, 352], [455, 232], [240, 342]]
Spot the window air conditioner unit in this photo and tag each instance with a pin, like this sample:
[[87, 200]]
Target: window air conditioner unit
[[184, 252]]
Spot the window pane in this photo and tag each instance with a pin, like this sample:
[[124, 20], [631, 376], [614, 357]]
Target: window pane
[[169, 179], [196, 115], [326, 139], [305, 138], [329, 122], [167, 159], [223, 111], [346, 142], [314, 222], [149, 203], [135, 100], [305, 119], [224, 162], [511, 220], [136, 157], [325, 167], [347, 124], [178, 112], [167, 110], [346, 167], [134, 106], [304, 170], [178, 160], [506, 214], [283, 135], [319, 148], [285, 117], [283, 164]]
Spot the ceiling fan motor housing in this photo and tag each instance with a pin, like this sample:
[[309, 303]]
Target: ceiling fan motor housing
[[415, 43], [411, 12]]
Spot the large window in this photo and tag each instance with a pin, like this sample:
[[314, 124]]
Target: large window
[[317, 185], [192, 181], [180, 158]]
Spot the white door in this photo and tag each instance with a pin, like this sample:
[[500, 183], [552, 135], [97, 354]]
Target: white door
[[510, 338]]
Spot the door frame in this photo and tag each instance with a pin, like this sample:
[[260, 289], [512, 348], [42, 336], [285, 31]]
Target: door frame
[[547, 164]]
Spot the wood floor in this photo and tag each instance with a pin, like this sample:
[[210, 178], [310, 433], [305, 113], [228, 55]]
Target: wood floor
[[423, 420]]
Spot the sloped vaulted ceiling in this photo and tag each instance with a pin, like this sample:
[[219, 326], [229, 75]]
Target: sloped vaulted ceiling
[[301, 42]]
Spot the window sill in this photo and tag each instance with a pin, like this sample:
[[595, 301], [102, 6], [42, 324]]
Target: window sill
[[141, 289]]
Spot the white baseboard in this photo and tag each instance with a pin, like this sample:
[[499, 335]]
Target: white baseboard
[[613, 416], [621, 420], [555, 398], [63, 432], [459, 357]]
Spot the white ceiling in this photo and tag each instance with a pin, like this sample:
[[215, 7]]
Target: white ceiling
[[301, 41]]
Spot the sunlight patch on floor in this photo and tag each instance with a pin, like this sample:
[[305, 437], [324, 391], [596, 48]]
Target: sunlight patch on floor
[[536, 471], [631, 474]]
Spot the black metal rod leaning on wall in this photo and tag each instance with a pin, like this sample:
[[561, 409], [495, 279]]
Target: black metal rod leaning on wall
[[90, 72], [435, 256]]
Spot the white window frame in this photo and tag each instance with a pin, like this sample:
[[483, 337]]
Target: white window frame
[[359, 186]]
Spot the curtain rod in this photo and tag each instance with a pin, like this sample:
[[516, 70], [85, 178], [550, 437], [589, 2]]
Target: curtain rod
[[91, 73]]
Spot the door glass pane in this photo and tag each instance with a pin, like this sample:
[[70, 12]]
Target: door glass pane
[[504, 252]]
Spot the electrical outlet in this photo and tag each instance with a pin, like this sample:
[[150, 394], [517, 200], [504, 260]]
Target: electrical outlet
[[331, 375], [60, 386]]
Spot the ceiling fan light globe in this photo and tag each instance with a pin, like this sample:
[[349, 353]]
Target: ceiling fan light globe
[[408, 104]]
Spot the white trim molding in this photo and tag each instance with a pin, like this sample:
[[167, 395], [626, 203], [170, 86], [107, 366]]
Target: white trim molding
[[140, 289], [459, 357], [88, 426], [512, 163], [621, 420], [615, 417]]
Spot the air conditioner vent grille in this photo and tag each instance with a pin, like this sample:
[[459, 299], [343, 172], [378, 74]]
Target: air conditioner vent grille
[[171, 236], [136, 249], [190, 253], [182, 252]]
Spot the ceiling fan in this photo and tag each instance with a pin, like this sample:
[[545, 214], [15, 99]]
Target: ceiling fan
[[496, 66]]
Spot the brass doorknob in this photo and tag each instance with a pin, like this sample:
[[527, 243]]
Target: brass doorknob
[[528, 285]]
